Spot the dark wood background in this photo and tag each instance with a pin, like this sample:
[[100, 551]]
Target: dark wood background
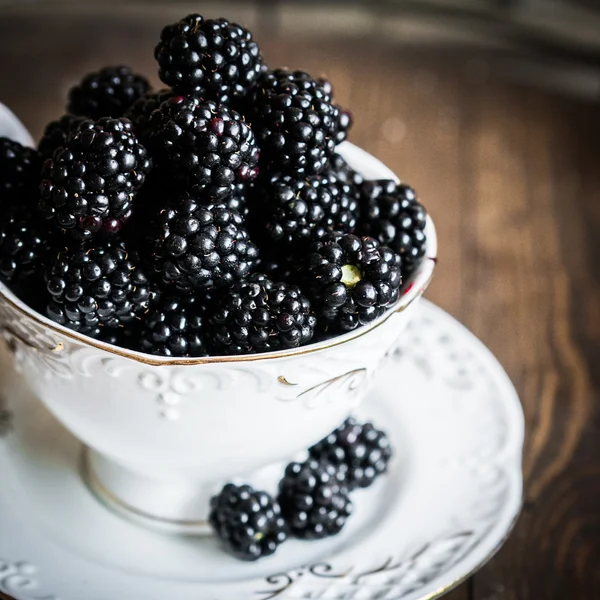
[[505, 153]]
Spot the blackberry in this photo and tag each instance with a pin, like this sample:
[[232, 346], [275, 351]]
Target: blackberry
[[96, 286], [314, 499], [344, 172], [216, 59], [58, 134], [297, 211], [194, 245], [344, 125], [25, 243], [90, 183], [204, 144], [350, 280], [19, 171], [249, 522], [392, 215], [295, 121], [362, 448], [107, 93], [238, 200], [174, 327], [140, 111], [260, 315]]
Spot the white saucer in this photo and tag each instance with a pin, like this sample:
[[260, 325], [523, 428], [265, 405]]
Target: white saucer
[[449, 502]]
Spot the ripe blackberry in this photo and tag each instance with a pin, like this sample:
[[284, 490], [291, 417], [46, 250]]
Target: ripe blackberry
[[366, 451], [194, 245], [314, 499], [350, 280], [19, 171], [140, 111], [107, 93], [213, 58], [344, 125], [174, 327], [58, 134], [344, 172], [295, 122], [204, 144], [392, 215], [247, 521], [25, 243], [90, 183], [297, 211], [95, 286], [259, 315]]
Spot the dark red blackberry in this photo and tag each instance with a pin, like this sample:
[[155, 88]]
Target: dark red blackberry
[[213, 58], [203, 144], [350, 280], [174, 327], [297, 211], [25, 243], [140, 111], [97, 285], [90, 184], [366, 451], [58, 134], [314, 499], [248, 522], [19, 171], [295, 122], [194, 245], [107, 93], [259, 315], [392, 215]]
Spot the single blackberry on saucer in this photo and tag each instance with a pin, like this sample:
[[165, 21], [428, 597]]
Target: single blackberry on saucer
[[25, 243], [392, 215], [295, 122], [174, 327], [90, 183], [107, 93], [213, 58], [247, 521], [19, 171], [365, 450], [195, 245], [204, 144], [350, 280], [97, 285], [260, 315], [140, 111], [314, 499], [58, 134], [297, 211]]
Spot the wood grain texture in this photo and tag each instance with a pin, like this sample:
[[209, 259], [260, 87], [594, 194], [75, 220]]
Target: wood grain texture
[[510, 174]]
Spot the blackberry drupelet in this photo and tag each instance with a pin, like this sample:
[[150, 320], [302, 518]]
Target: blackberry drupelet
[[90, 183], [96, 285], [344, 172], [295, 122], [248, 522], [260, 315], [213, 58], [365, 450], [174, 327], [19, 171], [107, 93], [140, 111], [203, 144], [25, 243], [58, 134], [298, 211], [350, 280], [314, 499], [392, 215], [194, 245], [344, 125]]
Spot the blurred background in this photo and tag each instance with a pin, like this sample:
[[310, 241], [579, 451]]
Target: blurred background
[[491, 110]]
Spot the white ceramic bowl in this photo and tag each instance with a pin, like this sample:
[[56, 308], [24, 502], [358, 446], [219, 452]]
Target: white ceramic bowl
[[165, 433]]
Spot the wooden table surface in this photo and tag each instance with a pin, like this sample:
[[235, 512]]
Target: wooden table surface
[[511, 174]]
